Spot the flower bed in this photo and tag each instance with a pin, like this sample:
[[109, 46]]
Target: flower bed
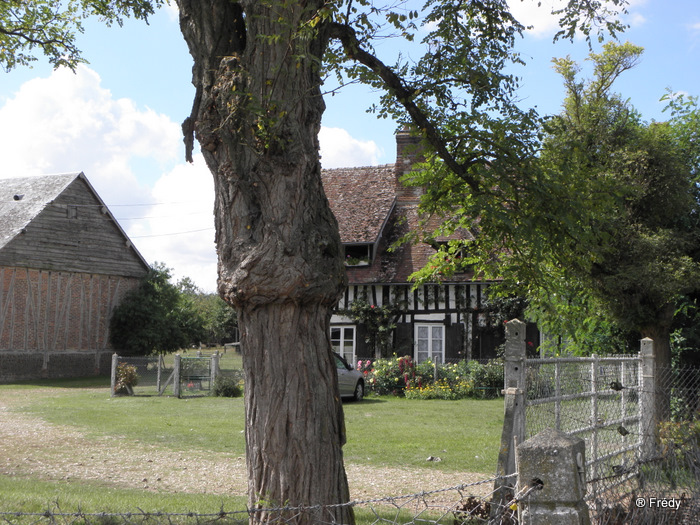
[[401, 376]]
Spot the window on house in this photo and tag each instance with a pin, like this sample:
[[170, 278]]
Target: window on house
[[358, 254], [430, 343], [72, 212], [458, 255], [343, 342]]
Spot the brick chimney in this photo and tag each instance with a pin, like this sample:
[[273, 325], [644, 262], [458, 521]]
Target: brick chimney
[[408, 152]]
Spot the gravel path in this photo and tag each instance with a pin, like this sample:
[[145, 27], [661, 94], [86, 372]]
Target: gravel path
[[30, 446]]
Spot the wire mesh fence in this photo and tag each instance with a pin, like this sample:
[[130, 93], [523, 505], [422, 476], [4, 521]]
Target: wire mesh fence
[[639, 469], [196, 375], [595, 399], [141, 375], [178, 375]]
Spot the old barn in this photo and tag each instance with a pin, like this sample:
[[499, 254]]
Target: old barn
[[65, 263]]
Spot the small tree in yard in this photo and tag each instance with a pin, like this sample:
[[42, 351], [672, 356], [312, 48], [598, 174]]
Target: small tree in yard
[[258, 70], [155, 317]]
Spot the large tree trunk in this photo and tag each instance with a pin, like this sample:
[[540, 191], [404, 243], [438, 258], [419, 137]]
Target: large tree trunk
[[256, 115]]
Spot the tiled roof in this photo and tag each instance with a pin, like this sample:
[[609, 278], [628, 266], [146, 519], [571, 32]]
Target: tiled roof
[[371, 207], [361, 199]]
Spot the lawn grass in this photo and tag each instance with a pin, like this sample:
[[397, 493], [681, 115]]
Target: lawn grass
[[381, 432], [30, 495]]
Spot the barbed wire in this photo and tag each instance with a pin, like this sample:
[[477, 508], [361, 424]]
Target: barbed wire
[[288, 513]]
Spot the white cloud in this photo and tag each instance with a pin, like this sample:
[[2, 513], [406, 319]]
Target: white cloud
[[339, 149], [172, 9], [538, 14], [179, 230], [69, 122]]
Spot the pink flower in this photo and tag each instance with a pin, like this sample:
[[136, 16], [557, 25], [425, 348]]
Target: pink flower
[[372, 307]]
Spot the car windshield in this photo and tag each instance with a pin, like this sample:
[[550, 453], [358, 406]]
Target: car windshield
[[340, 363]]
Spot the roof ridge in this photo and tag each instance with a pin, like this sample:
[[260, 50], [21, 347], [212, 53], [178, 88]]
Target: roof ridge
[[392, 164]]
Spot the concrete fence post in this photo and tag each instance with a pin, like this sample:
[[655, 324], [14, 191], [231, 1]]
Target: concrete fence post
[[513, 433], [514, 415], [514, 366], [647, 400], [113, 375], [552, 480], [176, 376], [214, 368]]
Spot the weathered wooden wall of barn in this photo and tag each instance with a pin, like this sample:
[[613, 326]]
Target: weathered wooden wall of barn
[[56, 324], [74, 233]]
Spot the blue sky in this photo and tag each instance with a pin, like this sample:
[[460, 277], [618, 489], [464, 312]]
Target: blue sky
[[118, 119]]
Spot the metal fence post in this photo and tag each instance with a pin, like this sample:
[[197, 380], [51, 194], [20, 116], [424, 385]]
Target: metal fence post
[[647, 400], [113, 375], [176, 376], [594, 418]]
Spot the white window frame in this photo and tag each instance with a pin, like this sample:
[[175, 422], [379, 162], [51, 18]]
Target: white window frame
[[437, 355], [341, 342]]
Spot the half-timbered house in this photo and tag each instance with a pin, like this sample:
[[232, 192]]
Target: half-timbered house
[[65, 263], [442, 322]]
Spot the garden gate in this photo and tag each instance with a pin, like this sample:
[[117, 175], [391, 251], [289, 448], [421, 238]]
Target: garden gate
[[149, 375], [609, 402]]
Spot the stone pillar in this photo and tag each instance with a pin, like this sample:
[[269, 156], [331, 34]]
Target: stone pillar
[[555, 464], [514, 417]]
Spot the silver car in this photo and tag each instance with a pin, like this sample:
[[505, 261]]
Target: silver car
[[351, 382]]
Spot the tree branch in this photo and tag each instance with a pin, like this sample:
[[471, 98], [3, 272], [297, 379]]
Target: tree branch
[[405, 96]]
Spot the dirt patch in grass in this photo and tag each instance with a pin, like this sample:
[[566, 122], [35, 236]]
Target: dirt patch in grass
[[30, 446]]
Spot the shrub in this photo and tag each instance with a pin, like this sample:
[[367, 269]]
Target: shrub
[[441, 389], [682, 438], [126, 379], [226, 386], [392, 376], [487, 378]]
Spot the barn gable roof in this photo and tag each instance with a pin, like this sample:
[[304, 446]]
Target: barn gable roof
[[36, 230], [22, 199]]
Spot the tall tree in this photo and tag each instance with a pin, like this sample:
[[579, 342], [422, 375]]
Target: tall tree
[[155, 317], [647, 253], [604, 232], [258, 70]]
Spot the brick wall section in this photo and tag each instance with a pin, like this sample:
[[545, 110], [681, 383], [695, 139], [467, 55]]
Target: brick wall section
[[56, 324]]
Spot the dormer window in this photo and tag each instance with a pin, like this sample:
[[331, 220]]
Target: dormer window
[[358, 254], [454, 253]]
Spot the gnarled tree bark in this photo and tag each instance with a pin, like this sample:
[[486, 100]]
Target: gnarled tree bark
[[256, 115]]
